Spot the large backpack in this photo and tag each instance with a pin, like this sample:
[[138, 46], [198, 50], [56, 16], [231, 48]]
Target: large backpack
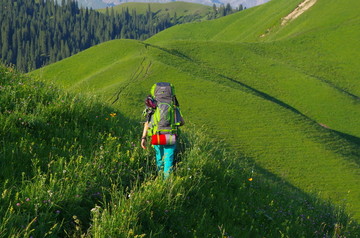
[[165, 119]]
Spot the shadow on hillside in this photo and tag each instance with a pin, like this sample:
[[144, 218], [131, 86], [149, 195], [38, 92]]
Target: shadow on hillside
[[221, 78], [265, 96], [350, 138], [294, 204], [250, 201], [352, 151]]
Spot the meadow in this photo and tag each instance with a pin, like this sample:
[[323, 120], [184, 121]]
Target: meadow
[[180, 9], [273, 150], [72, 167]]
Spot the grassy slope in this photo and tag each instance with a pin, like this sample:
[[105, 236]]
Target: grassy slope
[[161, 9], [281, 93], [243, 26], [110, 57], [71, 168], [278, 137]]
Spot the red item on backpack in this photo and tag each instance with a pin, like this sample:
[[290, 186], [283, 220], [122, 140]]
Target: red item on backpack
[[163, 139]]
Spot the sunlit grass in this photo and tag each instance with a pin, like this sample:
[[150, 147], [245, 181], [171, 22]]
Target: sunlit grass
[[76, 169], [288, 101]]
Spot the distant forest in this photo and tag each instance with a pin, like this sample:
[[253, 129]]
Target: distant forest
[[34, 33]]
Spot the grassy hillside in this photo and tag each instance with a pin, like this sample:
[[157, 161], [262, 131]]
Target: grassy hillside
[[181, 9], [326, 32], [289, 101], [115, 63], [71, 167], [244, 26]]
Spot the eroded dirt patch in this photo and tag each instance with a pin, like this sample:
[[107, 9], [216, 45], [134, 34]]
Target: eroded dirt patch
[[304, 6]]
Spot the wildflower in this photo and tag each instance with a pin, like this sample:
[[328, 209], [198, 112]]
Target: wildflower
[[27, 199], [18, 204], [57, 211], [95, 209], [250, 179], [4, 193], [113, 114], [106, 118]]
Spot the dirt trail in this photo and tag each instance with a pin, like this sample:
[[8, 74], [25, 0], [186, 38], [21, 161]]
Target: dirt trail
[[301, 8], [305, 5]]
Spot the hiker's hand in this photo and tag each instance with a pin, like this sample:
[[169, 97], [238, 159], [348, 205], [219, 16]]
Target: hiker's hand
[[143, 143]]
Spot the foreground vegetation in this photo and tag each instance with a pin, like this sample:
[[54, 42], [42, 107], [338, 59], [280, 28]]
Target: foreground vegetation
[[72, 166]]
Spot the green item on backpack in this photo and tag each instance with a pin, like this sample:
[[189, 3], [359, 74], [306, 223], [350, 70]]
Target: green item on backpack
[[166, 117]]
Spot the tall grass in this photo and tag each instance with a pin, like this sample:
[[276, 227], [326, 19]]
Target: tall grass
[[72, 167], [59, 153], [214, 193]]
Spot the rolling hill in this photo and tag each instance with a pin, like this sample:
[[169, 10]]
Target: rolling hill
[[71, 167], [284, 96], [161, 9], [109, 3]]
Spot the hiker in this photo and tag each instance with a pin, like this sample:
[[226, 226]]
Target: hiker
[[163, 119]]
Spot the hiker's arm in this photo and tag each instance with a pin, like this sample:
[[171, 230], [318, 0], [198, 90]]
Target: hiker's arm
[[143, 137]]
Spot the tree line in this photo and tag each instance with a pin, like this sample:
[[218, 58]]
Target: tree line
[[223, 10], [34, 33]]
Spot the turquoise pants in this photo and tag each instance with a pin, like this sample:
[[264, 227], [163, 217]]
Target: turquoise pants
[[165, 158]]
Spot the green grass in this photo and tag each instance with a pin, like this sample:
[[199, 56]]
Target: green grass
[[55, 152], [70, 169], [181, 9], [109, 57], [288, 101], [280, 131], [280, 138], [244, 26]]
